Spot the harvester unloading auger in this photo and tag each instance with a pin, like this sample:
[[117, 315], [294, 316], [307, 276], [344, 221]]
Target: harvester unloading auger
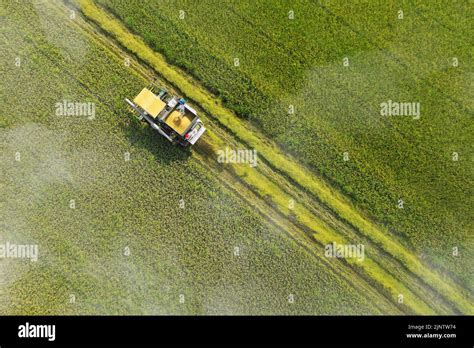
[[169, 115]]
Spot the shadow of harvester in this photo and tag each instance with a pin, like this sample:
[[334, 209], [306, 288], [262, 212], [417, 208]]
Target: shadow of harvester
[[141, 135]]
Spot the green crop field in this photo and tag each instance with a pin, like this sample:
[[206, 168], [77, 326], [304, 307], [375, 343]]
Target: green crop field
[[127, 204], [126, 223]]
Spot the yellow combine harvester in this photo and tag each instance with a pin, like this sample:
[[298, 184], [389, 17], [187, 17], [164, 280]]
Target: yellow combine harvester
[[168, 115]]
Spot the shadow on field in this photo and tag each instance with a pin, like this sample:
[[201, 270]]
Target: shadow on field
[[141, 135]]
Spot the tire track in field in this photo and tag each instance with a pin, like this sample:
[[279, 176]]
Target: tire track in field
[[455, 34], [244, 173]]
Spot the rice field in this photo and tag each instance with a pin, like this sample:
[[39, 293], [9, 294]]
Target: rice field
[[127, 246], [127, 224], [315, 82]]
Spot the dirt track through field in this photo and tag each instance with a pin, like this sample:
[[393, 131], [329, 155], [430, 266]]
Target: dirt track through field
[[321, 215]]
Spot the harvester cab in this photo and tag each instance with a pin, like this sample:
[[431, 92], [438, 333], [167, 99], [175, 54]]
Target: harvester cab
[[169, 115]]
